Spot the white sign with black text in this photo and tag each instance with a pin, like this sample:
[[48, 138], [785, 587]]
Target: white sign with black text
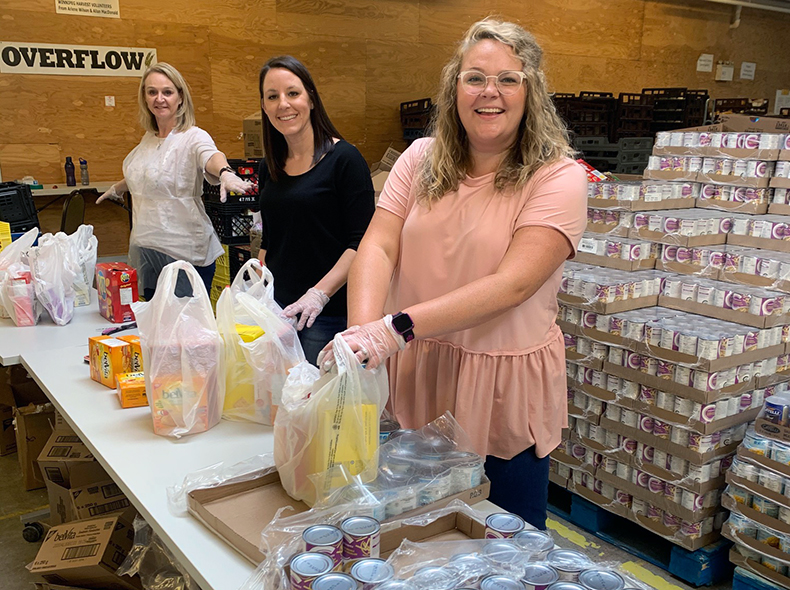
[[17, 57], [102, 8]]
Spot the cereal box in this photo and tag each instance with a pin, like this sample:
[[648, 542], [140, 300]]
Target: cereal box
[[108, 357], [116, 284], [131, 389], [135, 352]]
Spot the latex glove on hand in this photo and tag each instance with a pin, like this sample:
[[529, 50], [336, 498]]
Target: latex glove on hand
[[230, 183], [310, 305], [111, 194], [372, 343]]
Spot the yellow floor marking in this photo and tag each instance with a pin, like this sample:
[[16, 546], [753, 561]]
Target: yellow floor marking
[[21, 512], [572, 536], [648, 577]]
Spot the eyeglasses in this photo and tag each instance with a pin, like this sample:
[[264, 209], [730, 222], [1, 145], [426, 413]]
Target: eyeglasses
[[507, 83]]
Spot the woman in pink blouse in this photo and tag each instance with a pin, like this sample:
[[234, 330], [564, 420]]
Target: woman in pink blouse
[[466, 250]]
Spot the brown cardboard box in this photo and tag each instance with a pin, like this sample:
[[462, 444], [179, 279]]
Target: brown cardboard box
[[7, 436], [779, 209], [380, 171], [24, 389], [757, 124], [764, 461], [238, 512], [755, 488], [682, 268], [728, 315], [32, 431], [670, 175], [764, 243], [46, 586], [779, 182], [618, 263], [87, 553], [641, 205], [607, 308], [752, 543], [252, 127], [62, 451], [734, 206], [758, 568], [676, 239], [771, 430]]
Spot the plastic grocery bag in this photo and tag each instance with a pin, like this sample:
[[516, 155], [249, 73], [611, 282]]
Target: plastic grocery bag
[[12, 254], [17, 295], [329, 422], [260, 348], [84, 250], [52, 266], [182, 355]]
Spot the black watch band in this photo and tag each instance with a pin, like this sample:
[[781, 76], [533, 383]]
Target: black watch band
[[403, 325], [225, 169]]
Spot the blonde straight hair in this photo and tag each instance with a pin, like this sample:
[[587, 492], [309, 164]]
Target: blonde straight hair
[[185, 115], [542, 137]]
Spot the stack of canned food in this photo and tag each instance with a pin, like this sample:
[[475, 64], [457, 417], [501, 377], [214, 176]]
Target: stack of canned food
[[618, 248], [743, 526], [748, 140], [642, 190], [607, 285]]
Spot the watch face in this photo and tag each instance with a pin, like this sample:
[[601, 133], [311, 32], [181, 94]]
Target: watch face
[[402, 323]]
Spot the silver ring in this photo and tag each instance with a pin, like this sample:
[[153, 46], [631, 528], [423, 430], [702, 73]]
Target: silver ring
[[364, 352]]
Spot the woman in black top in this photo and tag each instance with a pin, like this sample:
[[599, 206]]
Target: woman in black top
[[316, 200]]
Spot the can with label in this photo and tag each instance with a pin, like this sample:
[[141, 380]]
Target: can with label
[[324, 538], [601, 579], [306, 567], [361, 537], [774, 564], [536, 544], [337, 581], [568, 563], [765, 506], [369, 573], [539, 576], [503, 525]]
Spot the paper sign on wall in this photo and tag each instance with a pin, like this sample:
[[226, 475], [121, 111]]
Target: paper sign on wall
[[102, 8], [18, 57], [705, 62], [724, 71], [782, 100], [747, 70]]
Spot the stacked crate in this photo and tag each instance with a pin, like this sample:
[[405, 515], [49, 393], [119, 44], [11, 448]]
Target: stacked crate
[[629, 155], [591, 114], [675, 108], [17, 208], [669, 356], [634, 115], [744, 106], [415, 118]]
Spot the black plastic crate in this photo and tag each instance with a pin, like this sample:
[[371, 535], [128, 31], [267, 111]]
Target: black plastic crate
[[17, 207], [231, 221], [237, 256], [416, 114], [246, 169], [634, 168], [589, 94], [410, 135], [636, 143], [633, 156], [582, 142]]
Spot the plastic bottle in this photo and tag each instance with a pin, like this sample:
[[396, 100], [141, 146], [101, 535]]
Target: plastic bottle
[[70, 178], [84, 178]]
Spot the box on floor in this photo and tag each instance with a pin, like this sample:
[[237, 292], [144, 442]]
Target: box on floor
[[33, 428]]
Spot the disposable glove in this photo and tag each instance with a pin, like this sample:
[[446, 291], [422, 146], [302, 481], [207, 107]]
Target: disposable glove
[[372, 343], [230, 183], [111, 194], [309, 305]]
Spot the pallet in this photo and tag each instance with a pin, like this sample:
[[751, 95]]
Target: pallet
[[703, 567], [746, 580]]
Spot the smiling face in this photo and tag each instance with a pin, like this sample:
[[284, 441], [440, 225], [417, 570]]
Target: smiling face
[[286, 103], [162, 98], [491, 120]]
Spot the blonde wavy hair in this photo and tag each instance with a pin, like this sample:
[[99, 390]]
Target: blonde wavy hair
[[542, 136], [185, 115]]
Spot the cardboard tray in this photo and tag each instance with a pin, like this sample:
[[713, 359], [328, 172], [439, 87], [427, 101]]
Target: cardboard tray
[[586, 361], [764, 243], [607, 308], [618, 263], [728, 533], [771, 430], [671, 175], [733, 180], [618, 231], [682, 268], [778, 182], [763, 492], [757, 568], [736, 207], [238, 512], [641, 205], [764, 461], [729, 315], [676, 239], [779, 208]]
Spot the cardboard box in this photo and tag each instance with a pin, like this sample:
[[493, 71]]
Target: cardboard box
[[771, 430], [733, 180], [756, 567], [109, 357], [779, 209], [238, 512], [135, 352], [252, 128], [602, 228], [131, 390], [734, 206], [608, 308], [7, 436], [87, 553], [380, 171], [618, 263], [32, 432], [682, 268], [116, 284], [46, 586], [784, 155], [728, 315], [641, 205], [779, 182], [62, 451], [754, 123], [92, 494], [671, 175], [755, 488], [676, 239], [24, 389], [764, 461], [584, 360]]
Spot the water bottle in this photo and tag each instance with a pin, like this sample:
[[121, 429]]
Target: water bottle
[[84, 178], [70, 178]]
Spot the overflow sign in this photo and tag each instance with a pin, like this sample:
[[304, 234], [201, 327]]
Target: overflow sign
[[74, 60]]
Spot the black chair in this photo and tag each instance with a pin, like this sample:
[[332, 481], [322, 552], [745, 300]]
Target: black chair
[[73, 212]]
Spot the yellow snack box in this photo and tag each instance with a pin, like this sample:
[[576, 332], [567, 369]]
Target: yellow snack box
[[239, 377], [109, 357], [135, 352], [131, 389]]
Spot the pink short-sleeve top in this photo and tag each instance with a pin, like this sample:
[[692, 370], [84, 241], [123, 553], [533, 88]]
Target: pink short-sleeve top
[[503, 380]]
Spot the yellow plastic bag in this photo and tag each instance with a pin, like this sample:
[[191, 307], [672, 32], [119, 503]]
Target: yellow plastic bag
[[327, 427]]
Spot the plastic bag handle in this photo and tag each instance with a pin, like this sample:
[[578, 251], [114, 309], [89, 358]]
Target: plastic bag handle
[[251, 266], [169, 277]]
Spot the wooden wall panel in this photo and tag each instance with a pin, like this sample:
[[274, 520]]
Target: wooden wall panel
[[367, 57]]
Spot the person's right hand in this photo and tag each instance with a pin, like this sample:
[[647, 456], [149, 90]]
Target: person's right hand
[[111, 194]]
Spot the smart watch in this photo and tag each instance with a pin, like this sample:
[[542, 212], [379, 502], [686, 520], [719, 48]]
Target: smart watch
[[403, 325]]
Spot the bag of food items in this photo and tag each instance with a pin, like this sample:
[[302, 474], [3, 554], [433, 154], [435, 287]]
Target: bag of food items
[[182, 355]]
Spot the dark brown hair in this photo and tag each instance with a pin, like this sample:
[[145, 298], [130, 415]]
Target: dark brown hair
[[275, 148]]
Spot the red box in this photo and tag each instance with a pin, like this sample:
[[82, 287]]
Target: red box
[[116, 284]]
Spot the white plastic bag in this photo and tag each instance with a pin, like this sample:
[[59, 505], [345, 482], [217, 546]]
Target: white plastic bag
[[85, 248], [182, 355], [17, 295], [328, 423], [52, 266], [12, 254]]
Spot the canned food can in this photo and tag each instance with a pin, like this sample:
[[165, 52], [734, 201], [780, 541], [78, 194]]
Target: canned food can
[[601, 579], [568, 563], [536, 544], [774, 564], [502, 553], [765, 506], [503, 525], [361, 537], [470, 565], [497, 582], [539, 576], [372, 572], [435, 486], [745, 527], [324, 538], [563, 585], [306, 567], [768, 537], [338, 581]]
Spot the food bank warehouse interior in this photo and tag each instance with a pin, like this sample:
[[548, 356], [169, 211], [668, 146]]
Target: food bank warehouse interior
[[406, 295]]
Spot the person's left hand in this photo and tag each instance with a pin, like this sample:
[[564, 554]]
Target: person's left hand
[[309, 305], [372, 343], [230, 183]]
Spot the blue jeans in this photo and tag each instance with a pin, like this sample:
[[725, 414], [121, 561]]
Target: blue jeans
[[317, 336], [183, 286], [520, 485]]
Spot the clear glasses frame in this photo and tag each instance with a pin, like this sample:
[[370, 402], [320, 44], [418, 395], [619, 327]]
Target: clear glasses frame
[[507, 89]]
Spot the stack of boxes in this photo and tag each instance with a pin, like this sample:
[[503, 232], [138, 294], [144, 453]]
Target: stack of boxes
[[673, 338]]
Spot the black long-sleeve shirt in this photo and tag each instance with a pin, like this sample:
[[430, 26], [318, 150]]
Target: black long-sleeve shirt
[[309, 220]]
